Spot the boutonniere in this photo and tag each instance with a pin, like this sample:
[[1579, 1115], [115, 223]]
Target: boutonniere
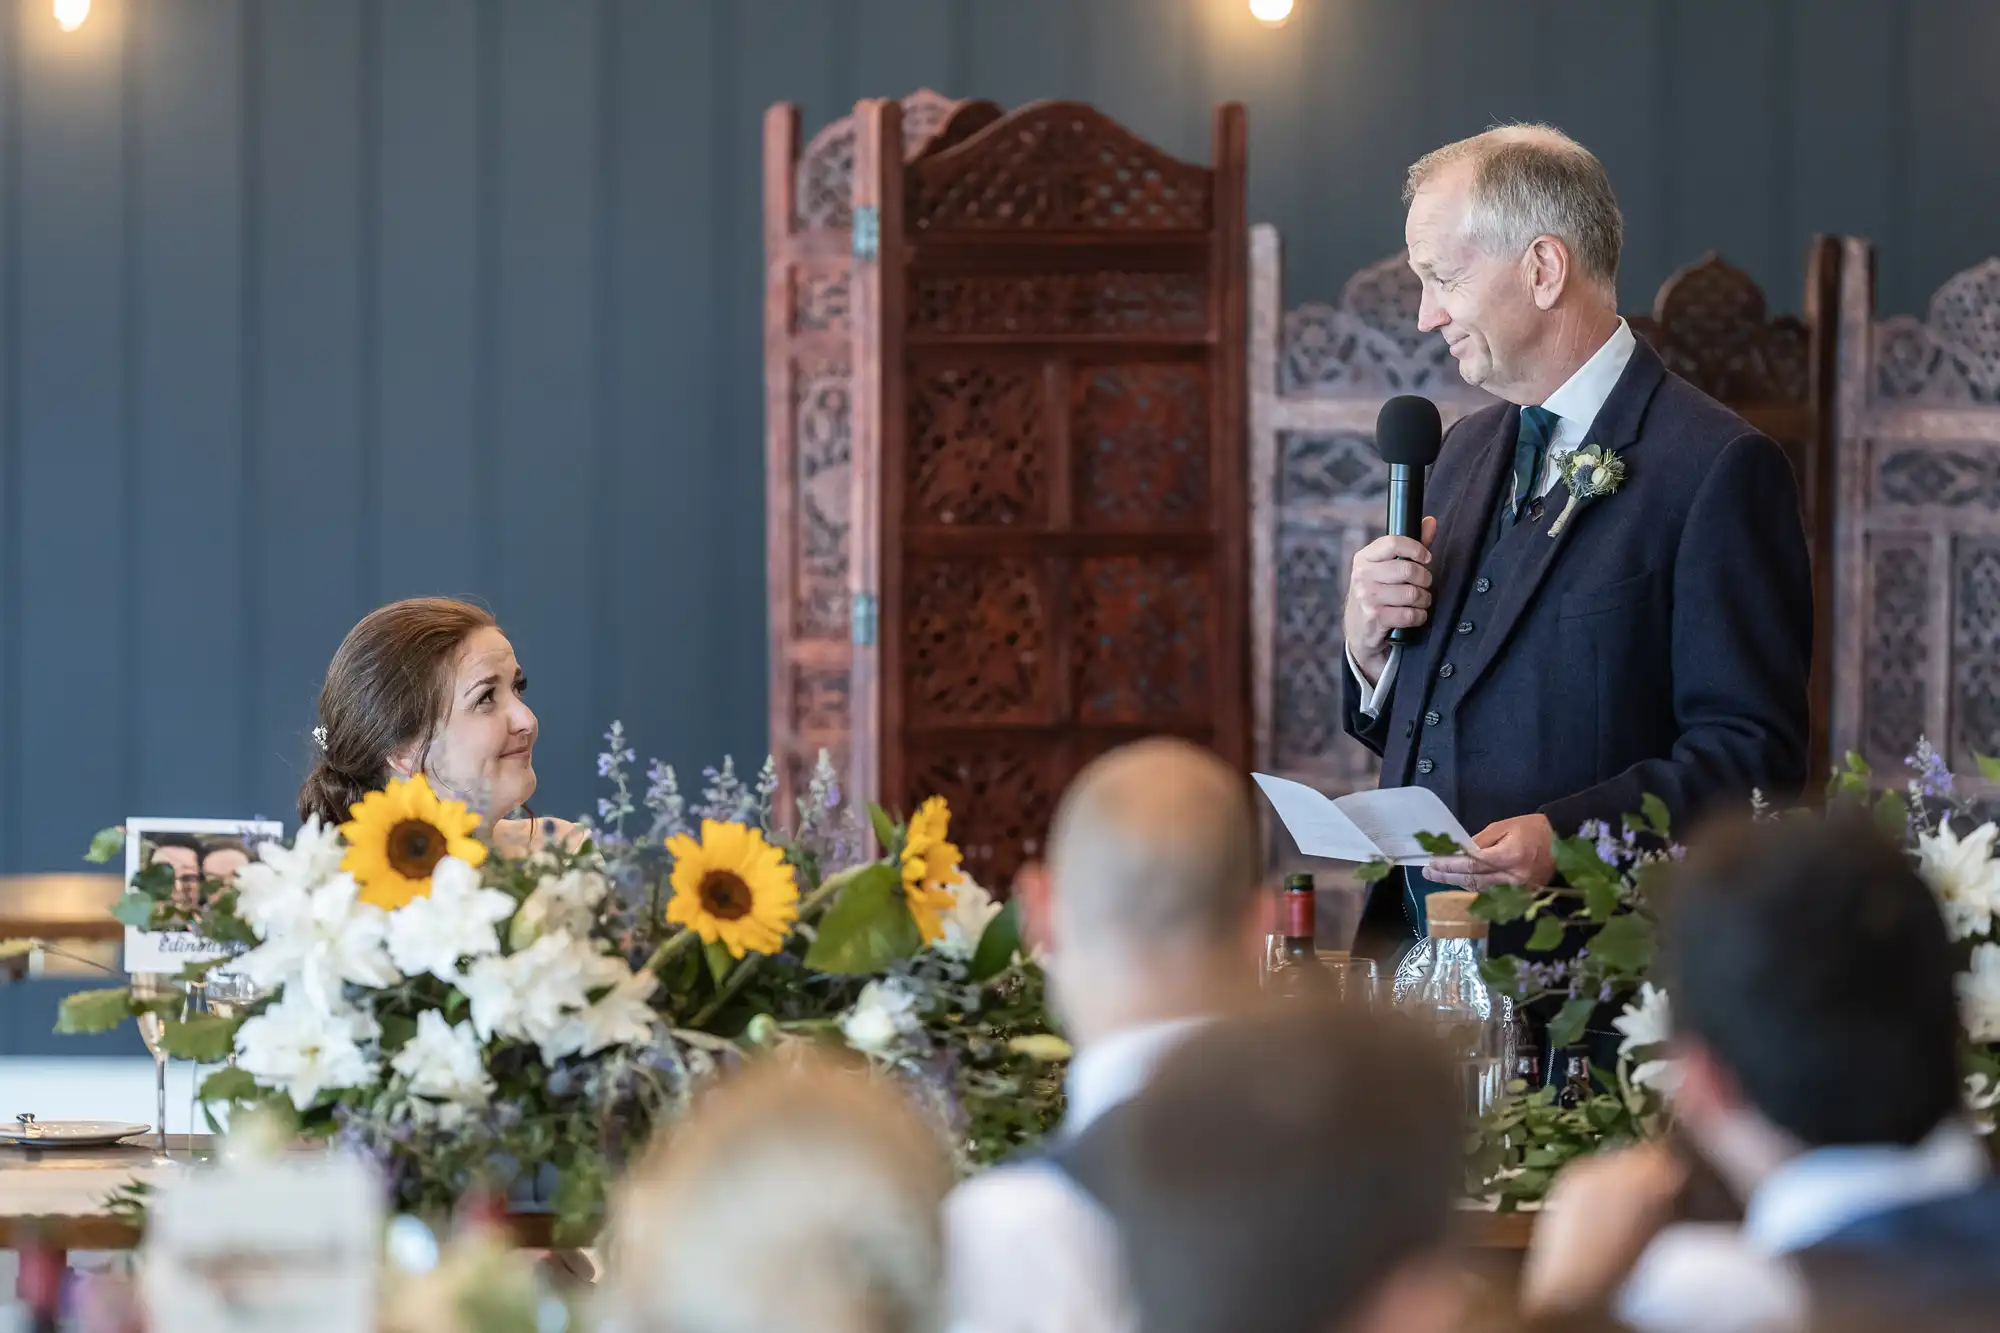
[[1589, 472]]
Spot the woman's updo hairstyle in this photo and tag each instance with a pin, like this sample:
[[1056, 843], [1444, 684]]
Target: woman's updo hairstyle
[[387, 686]]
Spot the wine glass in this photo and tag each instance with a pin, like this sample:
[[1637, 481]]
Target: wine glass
[[1355, 980], [157, 986]]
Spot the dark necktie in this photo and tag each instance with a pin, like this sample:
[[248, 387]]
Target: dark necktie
[[1537, 425]]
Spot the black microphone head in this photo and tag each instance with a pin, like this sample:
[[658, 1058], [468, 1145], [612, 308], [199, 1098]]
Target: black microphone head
[[1409, 431]]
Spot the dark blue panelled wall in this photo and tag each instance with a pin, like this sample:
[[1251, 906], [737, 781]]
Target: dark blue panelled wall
[[310, 304]]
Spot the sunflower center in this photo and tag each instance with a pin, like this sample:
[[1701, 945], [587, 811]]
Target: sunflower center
[[415, 847], [724, 895]]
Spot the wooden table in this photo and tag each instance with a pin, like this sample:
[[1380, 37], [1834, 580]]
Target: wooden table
[[34, 1195], [60, 907], [57, 1193]]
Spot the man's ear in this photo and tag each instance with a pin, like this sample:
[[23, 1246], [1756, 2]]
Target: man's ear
[[1704, 1091], [1034, 891], [1548, 263]]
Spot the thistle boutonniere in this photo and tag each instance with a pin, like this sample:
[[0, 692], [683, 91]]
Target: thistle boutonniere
[[1588, 472]]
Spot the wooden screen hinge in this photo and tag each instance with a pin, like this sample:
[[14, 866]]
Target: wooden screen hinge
[[863, 620], [867, 232]]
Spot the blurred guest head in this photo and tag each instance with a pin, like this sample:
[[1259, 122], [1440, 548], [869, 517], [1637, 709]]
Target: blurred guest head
[[179, 850], [429, 686], [1146, 908], [1292, 1172], [221, 858], [1515, 234], [798, 1195], [1811, 978]]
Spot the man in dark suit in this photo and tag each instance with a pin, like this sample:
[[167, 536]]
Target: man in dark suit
[[1571, 658]]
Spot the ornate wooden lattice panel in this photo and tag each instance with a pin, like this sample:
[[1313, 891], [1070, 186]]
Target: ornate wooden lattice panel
[[1048, 475], [1917, 591], [809, 337], [1320, 373]]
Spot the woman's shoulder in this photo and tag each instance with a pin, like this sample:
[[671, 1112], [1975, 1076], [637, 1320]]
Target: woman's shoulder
[[521, 837]]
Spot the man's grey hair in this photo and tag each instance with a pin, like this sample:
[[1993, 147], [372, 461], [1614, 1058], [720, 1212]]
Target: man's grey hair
[[1530, 181]]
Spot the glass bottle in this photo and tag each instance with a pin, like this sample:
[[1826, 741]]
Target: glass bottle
[[1295, 968], [1477, 1026]]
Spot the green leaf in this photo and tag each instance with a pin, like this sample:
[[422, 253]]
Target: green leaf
[[1370, 872], [998, 944], [197, 971], [1438, 844], [1502, 974], [1548, 934], [1857, 765], [1657, 817], [106, 844], [155, 880], [719, 960], [230, 1085], [1508, 902], [94, 1010], [397, 1030], [885, 828], [134, 910], [868, 927], [454, 1004], [1989, 767], [1892, 812], [1568, 1024], [17, 948], [1579, 864], [205, 1039], [1624, 944], [579, 1203], [1600, 899]]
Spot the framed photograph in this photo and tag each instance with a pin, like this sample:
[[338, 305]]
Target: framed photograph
[[197, 849]]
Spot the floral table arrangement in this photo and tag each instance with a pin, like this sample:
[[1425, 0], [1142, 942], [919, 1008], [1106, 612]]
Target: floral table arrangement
[[1611, 896], [471, 1020]]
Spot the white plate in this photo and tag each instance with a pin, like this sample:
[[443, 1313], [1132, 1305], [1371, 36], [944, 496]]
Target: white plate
[[71, 1133]]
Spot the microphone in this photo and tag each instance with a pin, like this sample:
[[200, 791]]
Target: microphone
[[1408, 434]]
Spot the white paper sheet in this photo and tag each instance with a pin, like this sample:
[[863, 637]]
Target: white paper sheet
[[1361, 825], [1392, 817]]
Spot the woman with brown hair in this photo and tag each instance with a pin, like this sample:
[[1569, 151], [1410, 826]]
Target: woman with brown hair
[[430, 686]]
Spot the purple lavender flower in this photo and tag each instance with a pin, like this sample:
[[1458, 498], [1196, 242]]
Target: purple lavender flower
[[1608, 849], [1934, 779]]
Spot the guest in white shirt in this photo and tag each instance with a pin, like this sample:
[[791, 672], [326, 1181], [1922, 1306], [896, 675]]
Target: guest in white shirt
[[1816, 1056], [1146, 918]]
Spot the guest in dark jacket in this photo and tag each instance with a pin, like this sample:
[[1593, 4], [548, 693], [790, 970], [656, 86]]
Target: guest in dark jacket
[[1816, 1037]]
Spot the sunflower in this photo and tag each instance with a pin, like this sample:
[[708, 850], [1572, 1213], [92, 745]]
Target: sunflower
[[930, 866], [734, 887], [397, 837]]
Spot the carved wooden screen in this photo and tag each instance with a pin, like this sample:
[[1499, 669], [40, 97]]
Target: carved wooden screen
[[1049, 450], [808, 393], [1320, 373], [1917, 596]]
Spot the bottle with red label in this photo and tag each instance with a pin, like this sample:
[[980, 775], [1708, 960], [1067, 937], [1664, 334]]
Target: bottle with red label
[[1295, 969]]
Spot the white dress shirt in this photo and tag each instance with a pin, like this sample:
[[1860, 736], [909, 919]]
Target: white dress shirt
[[1723, 1279], [1027, 1249], [1576, 404]]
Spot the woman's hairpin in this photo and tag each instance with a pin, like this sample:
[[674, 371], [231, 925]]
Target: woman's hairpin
[[319, 738]]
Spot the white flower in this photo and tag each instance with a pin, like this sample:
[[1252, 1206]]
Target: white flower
[[1963, 875], [972, 910], [334, 940], [445, 1062], [1979, 994], [538, 994], [566, 902], [1648, 1024], [884, 1012], [1982, 1094], [455, 920], [272, 892], [620, 1018], [304, 1049]]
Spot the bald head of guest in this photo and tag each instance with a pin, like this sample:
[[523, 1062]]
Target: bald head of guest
[[1146, 909]]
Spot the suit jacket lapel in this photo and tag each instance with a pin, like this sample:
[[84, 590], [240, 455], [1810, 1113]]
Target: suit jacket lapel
[[1616, 428]]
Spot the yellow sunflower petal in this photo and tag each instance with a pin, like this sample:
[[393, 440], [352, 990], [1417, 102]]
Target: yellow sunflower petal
[[733, 887], [398, 835]]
